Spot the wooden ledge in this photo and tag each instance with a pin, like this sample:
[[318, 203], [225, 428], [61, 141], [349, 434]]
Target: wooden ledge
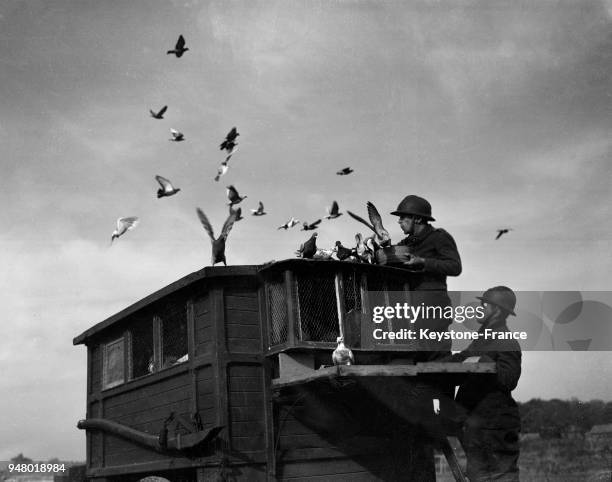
[[382, 371]]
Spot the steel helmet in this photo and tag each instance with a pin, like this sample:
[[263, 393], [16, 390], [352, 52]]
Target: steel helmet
[[415, 205], [501, 296]]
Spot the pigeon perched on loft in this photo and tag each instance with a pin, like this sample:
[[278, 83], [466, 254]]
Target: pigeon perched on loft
[[342, 355], [179, 48], [342, 252], [123, 226], [309, 248], [218, 244], [160, 114], [166, 189]]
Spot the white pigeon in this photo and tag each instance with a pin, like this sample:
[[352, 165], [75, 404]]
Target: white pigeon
[[124, 225], [176, 135], [289, 224], [342, 355], [222, 170], [324, 254], [259, 211]]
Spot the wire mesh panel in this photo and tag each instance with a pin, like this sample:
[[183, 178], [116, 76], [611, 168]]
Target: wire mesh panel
[[141, 341], [351, 282], [317, 307], [173, 334], [277, 309]]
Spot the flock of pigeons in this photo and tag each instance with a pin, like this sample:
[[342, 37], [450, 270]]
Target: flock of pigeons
[[363, 251]]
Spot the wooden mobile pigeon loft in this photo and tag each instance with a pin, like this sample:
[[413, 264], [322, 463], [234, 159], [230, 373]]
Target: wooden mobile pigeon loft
[[222, 374]]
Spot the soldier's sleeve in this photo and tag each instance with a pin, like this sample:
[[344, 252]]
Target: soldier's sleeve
[[447, 260], [508, 366]]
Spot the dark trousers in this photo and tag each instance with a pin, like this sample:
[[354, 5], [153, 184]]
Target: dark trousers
[[492, 453]]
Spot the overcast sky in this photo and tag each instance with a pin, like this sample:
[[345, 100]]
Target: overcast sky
[[498, 112]]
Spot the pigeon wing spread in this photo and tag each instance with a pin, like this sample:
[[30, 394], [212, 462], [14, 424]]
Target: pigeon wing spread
[[205, 223], [376, 220], [227, 225], [361, 220], [164, 183]]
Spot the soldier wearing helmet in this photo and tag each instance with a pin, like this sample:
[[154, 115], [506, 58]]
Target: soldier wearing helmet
[[491, 424], [433, 257]]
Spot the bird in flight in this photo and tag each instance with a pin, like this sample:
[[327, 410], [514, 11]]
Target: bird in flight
[[309, 248], [332, 211], [229, 142], [176, 135], [345, 171], [218, 244], [289, 224], [222, 169], [238, 212], [179, 48], [233, 196], [311, 226], [501, 232], [376, 224], [259, 211], [124, 225], [166, 189], [160, 114]]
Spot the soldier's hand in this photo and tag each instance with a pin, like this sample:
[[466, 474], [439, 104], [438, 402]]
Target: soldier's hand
[[415, 262]]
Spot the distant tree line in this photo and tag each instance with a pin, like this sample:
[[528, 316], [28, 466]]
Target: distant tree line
[[555, 417]]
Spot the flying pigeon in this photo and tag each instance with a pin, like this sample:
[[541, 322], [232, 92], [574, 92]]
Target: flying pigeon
[[342, 355], [345, 171], [179, 48], [124, 225], [501, 232], [230, 141], [160, 114], [233, 196], [218, 245], [238, 213], [259, 211], [166, 189], [332, 212], [381, 233], [311, 226], [289, 224], [221, 170], [309, 248], [176, 135], [343, 253]]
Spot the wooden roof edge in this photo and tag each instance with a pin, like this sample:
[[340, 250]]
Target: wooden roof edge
[[208, 272]]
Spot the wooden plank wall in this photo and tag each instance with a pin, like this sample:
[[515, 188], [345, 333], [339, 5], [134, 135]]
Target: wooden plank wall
[[203, 332], [242, 324], [246, 408], [144, 409]]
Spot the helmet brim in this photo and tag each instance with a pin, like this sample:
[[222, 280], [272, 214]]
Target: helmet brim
[[481, 298], [401, 213]]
